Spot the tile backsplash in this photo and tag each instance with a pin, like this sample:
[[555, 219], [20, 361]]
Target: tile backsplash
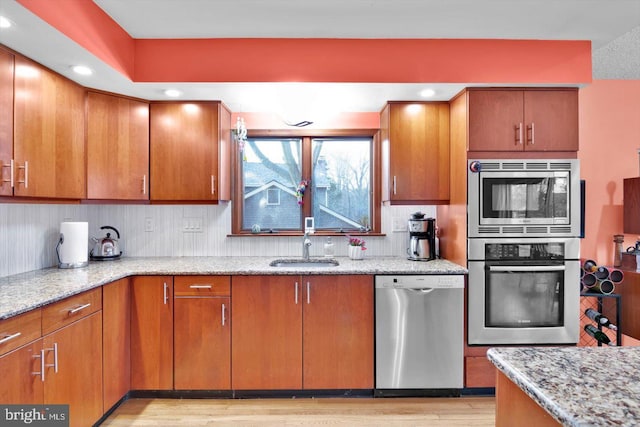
[[29, 233]]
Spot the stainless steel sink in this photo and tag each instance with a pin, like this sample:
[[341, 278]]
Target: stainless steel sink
[[299, 262]]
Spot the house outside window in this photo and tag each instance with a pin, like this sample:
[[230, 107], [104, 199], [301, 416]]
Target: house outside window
[[337, 171]]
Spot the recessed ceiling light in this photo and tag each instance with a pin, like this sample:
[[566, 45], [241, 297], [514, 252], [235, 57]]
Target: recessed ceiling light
[[4, 22], [82, 70], [173, 93], [427, 93]]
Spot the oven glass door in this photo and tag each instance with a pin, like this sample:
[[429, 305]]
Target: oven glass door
[[524, 198], [524, 296]]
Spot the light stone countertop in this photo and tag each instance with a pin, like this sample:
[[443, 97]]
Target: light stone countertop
[[578, 386], [23, 292]]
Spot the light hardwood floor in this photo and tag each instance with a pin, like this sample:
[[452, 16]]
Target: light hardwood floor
[[387, 412]]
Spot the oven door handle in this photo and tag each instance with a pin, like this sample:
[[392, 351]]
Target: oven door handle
[[530, 268]]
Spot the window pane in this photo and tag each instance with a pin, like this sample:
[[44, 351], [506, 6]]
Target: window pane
[[341, 183], [270, 164]]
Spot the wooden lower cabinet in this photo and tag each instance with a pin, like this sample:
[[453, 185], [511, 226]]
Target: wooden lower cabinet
[[116, 341], [302, 332], [152, 333], [266, 351], [514, 408], [202, 343], [479, 372], [338, 332], [73, 372], [629, 289], [19, 370]]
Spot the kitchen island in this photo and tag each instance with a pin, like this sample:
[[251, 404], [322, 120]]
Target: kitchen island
[[23, 292], [576, 386]]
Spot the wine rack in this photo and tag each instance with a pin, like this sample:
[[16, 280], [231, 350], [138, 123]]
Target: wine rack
[[607, 304]]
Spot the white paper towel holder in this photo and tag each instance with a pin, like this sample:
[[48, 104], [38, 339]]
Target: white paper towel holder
[[79, 261]]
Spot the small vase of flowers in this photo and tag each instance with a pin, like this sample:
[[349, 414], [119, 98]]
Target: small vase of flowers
[[356, 248]]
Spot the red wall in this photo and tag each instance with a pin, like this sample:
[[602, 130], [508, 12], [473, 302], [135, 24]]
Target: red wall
[[609, 144]]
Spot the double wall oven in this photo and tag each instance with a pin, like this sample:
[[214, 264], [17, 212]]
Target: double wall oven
[[523, 227]]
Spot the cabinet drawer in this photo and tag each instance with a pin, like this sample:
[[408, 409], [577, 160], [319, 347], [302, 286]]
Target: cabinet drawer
[[69, 310], [20, 330], [219, 286]]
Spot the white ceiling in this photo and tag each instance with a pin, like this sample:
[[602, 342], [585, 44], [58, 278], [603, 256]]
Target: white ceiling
[[613, 26]]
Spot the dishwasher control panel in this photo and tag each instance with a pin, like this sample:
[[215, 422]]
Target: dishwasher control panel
[[440, 281]]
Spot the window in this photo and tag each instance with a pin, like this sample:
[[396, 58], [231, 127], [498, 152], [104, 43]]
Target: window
[[282, 180]]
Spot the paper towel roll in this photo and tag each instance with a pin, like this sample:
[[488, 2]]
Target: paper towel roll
[[73, 244]]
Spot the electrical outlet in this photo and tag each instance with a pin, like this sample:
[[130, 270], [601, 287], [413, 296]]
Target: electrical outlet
[[399, 225], [148, 225], [192, 225]]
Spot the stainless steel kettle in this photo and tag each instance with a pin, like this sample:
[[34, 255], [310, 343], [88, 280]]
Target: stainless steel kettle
[[106, 248]]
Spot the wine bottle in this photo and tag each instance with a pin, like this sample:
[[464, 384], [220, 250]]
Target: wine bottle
[[600, 318], [598, 335], [590, 266]]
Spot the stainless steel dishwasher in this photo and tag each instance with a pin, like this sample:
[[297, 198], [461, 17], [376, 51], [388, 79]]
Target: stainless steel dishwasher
[[419, 335]]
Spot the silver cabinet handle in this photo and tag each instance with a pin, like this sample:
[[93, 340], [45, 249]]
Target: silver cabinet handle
[[79, 308], [200, 286], [165, 291], [296, 292], [519, 134], [213, 184], [526, 268], [223, 309], [55, 357], [394, 184], [26, 174], [10, 166], [42, 367], [144, 184], [533, 133], [308, 293], [10, 337]]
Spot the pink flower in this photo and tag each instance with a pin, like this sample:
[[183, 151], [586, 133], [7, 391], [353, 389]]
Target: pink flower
[[354, 241]]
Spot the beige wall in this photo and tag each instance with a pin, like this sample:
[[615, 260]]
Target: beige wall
[[609, 144]]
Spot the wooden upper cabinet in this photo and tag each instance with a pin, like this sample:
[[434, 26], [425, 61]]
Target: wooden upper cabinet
[[631, 213], [185, 141], [415, 152], [338, 332], [6, 122], [523, 120], [49, 148], [117, 148]]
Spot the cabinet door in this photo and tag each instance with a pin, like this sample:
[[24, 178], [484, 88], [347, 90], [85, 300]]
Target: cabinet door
[[267, 333], [338, 332], [117, 148], [78, 380], [49, 149], [152, 333], [6, 122], [184, 150], [116, 341], [418, 152], [496, 121], [551, 118], [20, 372], [202, 343]]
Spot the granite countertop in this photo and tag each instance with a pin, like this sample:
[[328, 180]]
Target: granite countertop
[[23, 292], [578, 386]]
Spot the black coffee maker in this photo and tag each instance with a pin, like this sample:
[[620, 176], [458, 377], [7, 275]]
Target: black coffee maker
[[422, 237]]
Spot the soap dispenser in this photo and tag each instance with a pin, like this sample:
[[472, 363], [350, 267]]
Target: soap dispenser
[[329, 249]]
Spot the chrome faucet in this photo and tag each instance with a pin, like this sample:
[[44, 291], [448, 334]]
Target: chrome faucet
[[306, 243]]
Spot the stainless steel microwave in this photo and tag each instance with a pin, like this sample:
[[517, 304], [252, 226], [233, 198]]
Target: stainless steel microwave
[[523, 197]]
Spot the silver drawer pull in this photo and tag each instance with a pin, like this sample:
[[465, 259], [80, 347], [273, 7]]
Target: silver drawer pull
[[79, 308], [54, 365], [223, 315], [10, 337], [200, 286]]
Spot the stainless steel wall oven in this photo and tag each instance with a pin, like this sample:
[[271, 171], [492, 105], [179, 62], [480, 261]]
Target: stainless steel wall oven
[[523, 291]]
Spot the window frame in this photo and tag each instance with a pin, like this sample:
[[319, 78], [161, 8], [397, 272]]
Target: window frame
[[307, 135]]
